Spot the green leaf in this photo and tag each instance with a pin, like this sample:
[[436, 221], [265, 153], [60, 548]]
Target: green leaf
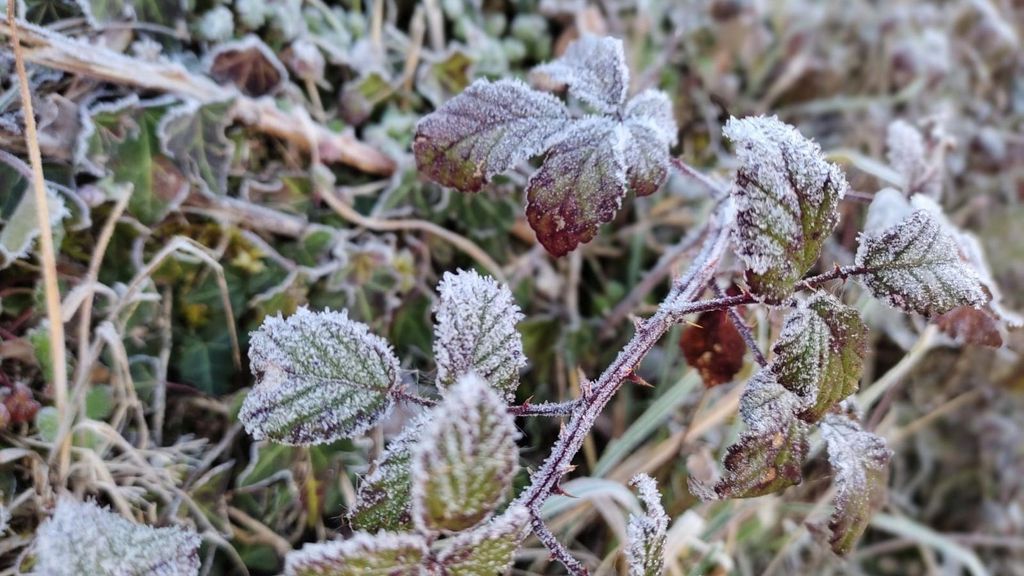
[[917, 266], [768, 456], [383, 499], [364, 554], [319, 377], [464, 464], [647, 533], [476, 332], [860, 464], [193, 136], [487, 549], [787, 199], [580, 185], [361, 95], [485, 131], [819, 355], [445, 75], [82, 538], [18, 215], [167, 13]]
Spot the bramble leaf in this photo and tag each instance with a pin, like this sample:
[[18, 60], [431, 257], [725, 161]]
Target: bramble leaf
[[487, 549], [82, 538], [464, 464], [476, 332], [593, 69], [249, 64], [787, 199], [580, 185], [860, 464], [652, 131], [364, 554], [714, 347], [769, 454], [319, 377], [383, 500], [916, 266], [485, 131], [18, 215], [193, 136], [820, 354], [645, 554]]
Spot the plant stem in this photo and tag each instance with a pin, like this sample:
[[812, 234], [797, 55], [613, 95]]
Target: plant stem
[[46, 250], [742, 328], [559, 552], [544, 409]]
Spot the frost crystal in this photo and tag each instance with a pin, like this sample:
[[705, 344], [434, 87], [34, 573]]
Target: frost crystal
[[476, 332], [820, 354], [485, 131], [463, 465], [645, 554], [768, 456], [319, 377], [593, 69], [860, 462], [580, 185], [364, 554], [82, 538], [382, 502], [787, 199], [916, 265], [652, 131], [487, 549]]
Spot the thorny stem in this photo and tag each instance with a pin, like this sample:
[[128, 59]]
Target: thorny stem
[[837, 273], [572, 565], [544, 408]]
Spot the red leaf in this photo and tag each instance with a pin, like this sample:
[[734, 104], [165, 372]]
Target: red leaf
[[714, 348], [970, 325]]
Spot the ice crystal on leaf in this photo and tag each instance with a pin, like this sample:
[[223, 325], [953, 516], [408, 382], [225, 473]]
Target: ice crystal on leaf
[[820, 354], [916, 265], [319, 377], [463, 465], [82, 538], [580, 185], [645, 553], [382, 502], [594, 71], [590, 162], [860, 463], [787, 199], [476, 332], [487, 549], [769, 454], [485, 131], [364, 554]]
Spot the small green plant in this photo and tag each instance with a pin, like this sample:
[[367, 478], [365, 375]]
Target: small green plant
[[433, 501]]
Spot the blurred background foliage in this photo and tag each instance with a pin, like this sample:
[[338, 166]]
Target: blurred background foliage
[[272, 227]]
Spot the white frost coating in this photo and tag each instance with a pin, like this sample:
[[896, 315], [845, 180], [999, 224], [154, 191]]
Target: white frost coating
[[645, 553], [906, 152], [766, 406], [380, 554], [888, 208], [489, 548], [319, 377], [250, 42], [916, 266], [82, 538], [782, 175], [593, 68], [858, 459], [464, 464], [476, 332], [653, 108], [652, 131]]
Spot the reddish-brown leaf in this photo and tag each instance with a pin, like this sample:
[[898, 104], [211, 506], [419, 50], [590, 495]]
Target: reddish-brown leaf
[[970, 325], [248, 64], [21, 405], [713, 347]]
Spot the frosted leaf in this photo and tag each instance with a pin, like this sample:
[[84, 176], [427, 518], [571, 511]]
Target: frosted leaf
[[820, 354], [476, 332], [916, 266], [192, 135], [860, 463], [485, 131], [364, 554], [464, 464], [652, 131], [319, 377], [768, 456], [787, 199], [646, 534], [487, 549], [82, 538], [593, 69], [382, 502], [906, 152], [888, 207], [580, 185], [248, 63]]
